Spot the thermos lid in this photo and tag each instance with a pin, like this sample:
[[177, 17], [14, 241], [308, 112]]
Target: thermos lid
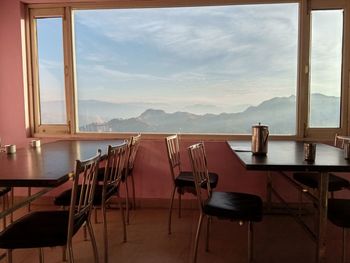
[[260, 126]]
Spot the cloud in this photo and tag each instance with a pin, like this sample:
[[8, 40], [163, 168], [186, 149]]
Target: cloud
[[188, 55]]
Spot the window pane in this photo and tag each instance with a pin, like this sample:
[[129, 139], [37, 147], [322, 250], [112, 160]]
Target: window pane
[[51, 71], [325, 65], [211, 69]]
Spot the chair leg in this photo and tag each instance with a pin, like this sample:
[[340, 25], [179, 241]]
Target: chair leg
[[179, 205], [195, 248], [70, 253], [105, 234], [93, 241], [127, 200], [250, 241], [123, 219], [41, 255], [85, 234], [344, 245], [170, 209], [133, 192], [207, 234], [9, 255]]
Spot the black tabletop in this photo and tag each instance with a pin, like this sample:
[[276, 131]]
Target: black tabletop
[[289, 156], [48, 165]]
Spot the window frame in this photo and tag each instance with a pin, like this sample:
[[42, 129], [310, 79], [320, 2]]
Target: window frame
[[319, 132], [302, 93]]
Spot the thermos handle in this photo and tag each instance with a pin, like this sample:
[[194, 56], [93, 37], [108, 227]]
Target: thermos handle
[[267, 136]]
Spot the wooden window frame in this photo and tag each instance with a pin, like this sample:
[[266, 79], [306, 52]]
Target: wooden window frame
[[302, 94]]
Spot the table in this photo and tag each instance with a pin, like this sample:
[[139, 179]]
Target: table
[[47, 166], [289, 156]]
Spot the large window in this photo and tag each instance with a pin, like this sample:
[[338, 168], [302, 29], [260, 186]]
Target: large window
[[146, 67], [190, 70]]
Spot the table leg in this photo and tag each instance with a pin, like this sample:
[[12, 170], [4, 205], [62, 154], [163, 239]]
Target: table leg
[[322, 217]]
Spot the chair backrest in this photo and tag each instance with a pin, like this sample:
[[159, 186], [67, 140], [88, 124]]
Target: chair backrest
[[200, 172], [84, 181], [339, 141], [134, 146], [116, 163], [173, 151]]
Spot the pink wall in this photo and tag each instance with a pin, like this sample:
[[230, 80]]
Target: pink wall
[[12, 121]]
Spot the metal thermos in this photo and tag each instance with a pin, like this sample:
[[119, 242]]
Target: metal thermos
[[347, 150], [260, 135]]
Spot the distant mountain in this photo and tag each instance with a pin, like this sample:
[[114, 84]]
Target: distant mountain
[[96, 111], [279, 113]]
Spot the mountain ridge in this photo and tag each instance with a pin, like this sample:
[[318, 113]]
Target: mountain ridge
[[279, 113]]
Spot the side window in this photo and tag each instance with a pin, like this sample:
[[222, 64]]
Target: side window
[[325, 80], [49, 70]]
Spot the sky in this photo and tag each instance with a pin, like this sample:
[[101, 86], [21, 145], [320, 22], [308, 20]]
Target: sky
[[223, 57]]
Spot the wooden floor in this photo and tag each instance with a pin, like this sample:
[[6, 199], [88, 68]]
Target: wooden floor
[[277, 239]]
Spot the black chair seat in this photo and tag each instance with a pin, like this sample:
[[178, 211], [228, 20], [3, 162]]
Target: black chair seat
[[339, 212], [336, 183], [38, 229], [185, 179], [235, 206], [65, 197], [4, 190]]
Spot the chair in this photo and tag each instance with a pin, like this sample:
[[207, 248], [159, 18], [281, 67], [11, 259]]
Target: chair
[[134, 146], [310, 179], [183, 181], [115, 166], [339, 215], [240, 207], [56, 228]]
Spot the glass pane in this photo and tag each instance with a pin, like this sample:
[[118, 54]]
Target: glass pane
[[325, 68], [51, 71], [217, 69]]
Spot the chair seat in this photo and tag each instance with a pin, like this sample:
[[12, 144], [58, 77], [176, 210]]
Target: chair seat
[[339, 212], [235, 206], [185, 179], [310, 179], [65, 197], [4, 190], [38, 229]]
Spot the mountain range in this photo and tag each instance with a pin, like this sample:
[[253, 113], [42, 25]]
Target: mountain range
[[279, 113]]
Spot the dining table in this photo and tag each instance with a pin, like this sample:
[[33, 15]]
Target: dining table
[[47, 166], [287, 155]]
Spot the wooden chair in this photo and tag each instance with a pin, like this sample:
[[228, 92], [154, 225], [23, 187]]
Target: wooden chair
[[240, 207], [183, 181], [310, 179], [57, 228]]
